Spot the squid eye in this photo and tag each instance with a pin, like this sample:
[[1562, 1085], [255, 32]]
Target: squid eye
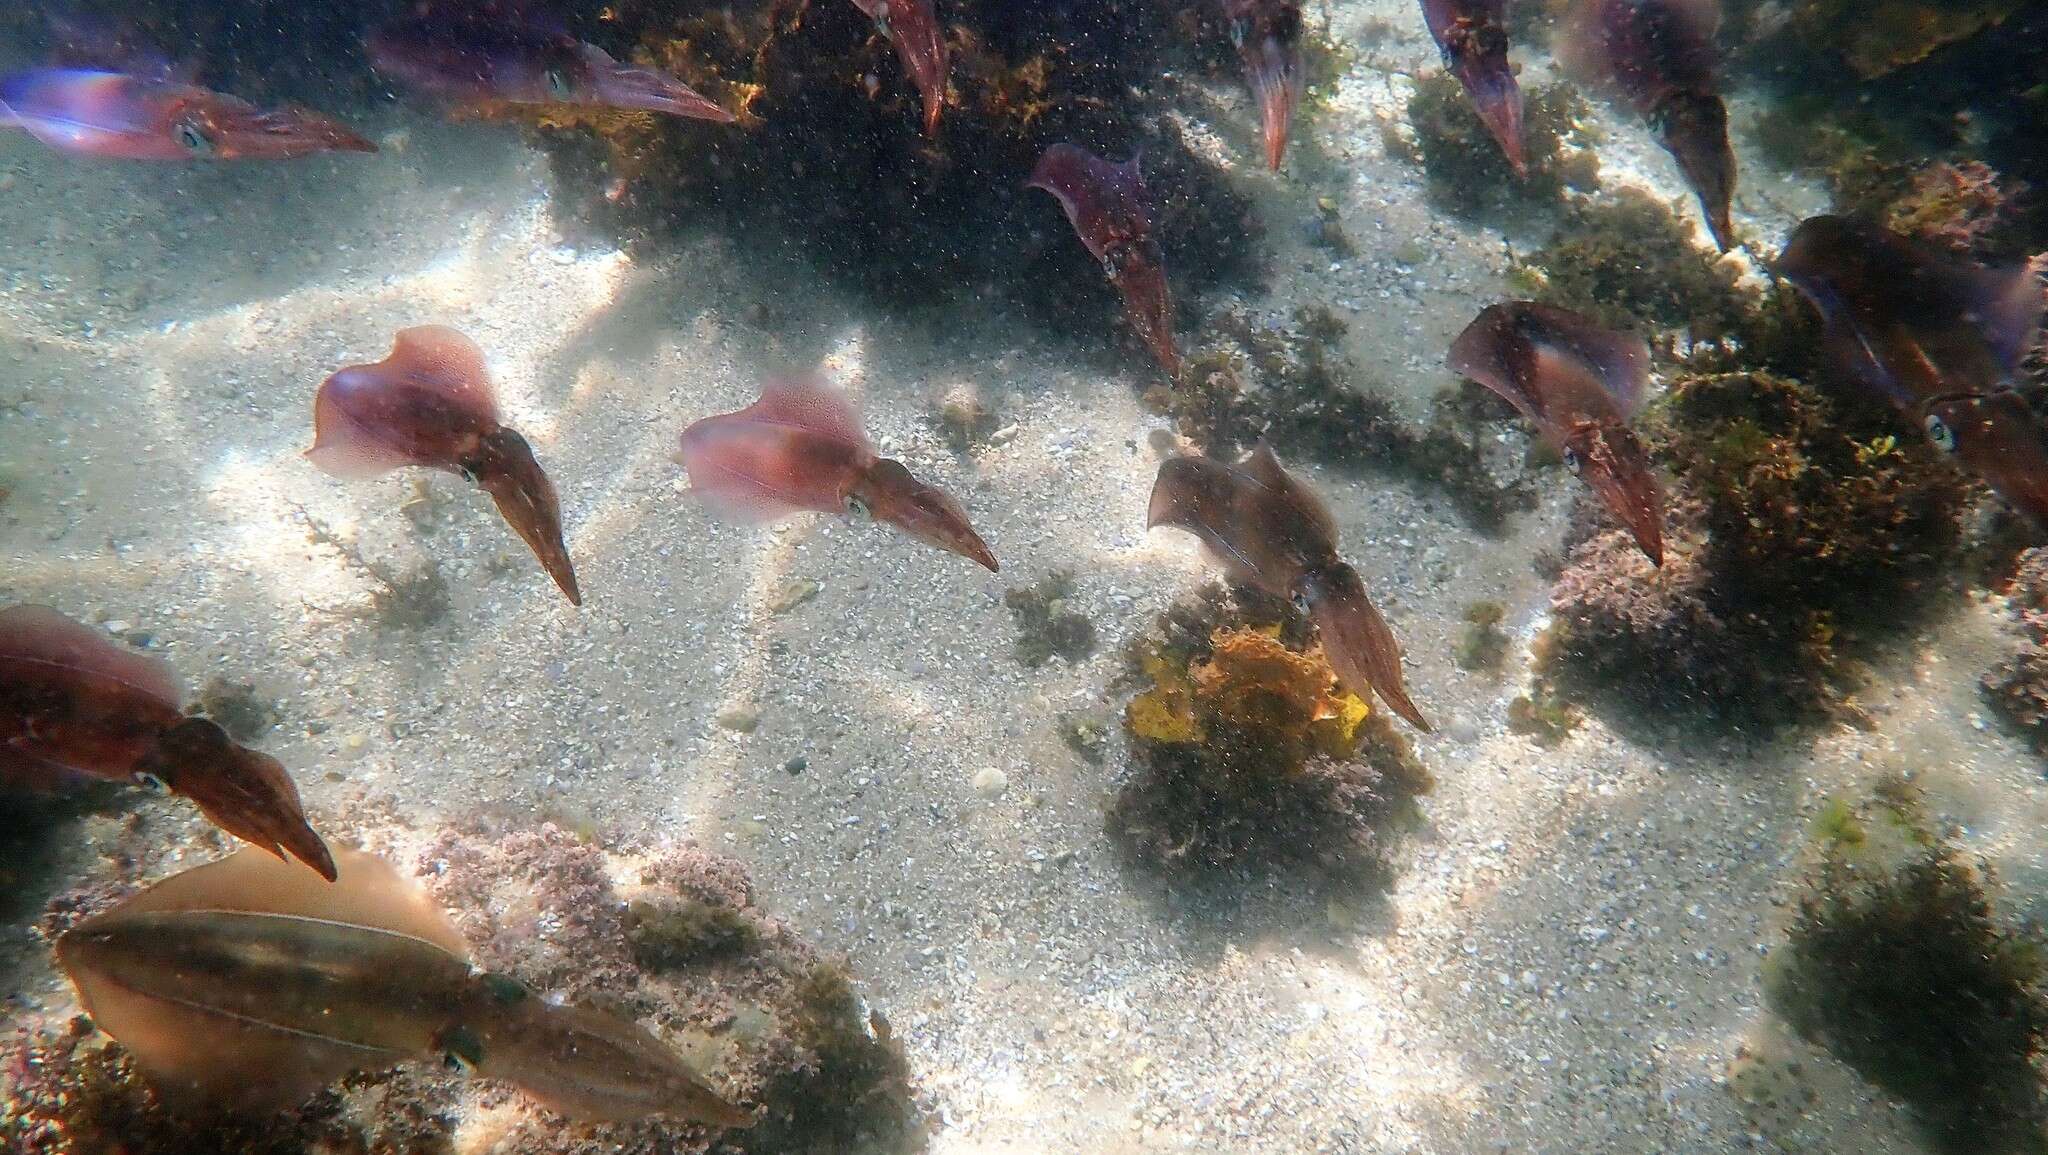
[[857, 506], [1571, 459], [151, 782], [1938, 431], [461, 1050], [558, 84], [192, 138]]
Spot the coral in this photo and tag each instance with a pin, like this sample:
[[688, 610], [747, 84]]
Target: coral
[[2018, 686], [1288, 382], [1248, 756], [1469, 174], [829, 159], [245, 714], [736, 991], [1482, 644], [1800, 524], [1898, 962], [1631, 263], [1047, 626]]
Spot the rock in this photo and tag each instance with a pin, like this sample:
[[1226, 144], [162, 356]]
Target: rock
[[789, 595]]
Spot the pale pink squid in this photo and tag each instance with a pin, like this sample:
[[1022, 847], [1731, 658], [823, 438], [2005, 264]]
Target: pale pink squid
[[431, 404], [913, 27], [801, 447], [131, 117]]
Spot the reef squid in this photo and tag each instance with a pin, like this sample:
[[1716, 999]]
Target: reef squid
[[1472, 35], [430, 403], [1107, 205], [1273, 534], [246, 984], [1267, 35], [72, 702], [1579, 384], [1941, 338], [913, 27], [1659, 55], [801, 447], [477, 55], [136, 117]]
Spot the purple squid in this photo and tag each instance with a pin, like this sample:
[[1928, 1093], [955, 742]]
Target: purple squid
[[431, 404], [134, 117], [913, 27], [1473, 37], [1267, 34], [1579, 384], [1107, 206], [478, 55], [74, 704], [1270, 532], [801, 447], [1941, 338], [1659, 55]]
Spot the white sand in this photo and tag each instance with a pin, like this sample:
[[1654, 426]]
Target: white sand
[[1569, 956]]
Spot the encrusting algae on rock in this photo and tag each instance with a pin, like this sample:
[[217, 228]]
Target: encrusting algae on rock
[[1249, 757]]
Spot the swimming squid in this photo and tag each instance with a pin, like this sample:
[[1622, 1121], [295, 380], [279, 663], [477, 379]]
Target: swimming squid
[[1267, 35], [1579, 384], [430, 403], [478, 55], [1660, 56], [1942, 339], [246, 984], [913, 27], [73, 702], [1472, 35], [1272, 533], [801, 447], [134, 117], [1106, 204]]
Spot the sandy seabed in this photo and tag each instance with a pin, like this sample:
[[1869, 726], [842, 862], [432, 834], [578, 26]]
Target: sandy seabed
[[1567, 960]]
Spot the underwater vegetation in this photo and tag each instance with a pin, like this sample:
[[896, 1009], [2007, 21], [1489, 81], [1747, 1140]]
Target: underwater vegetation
[[2018, 686], [1482, 644], [1899, 962], [1628, 261], [1047, 626], [830, 156], [1288, 383], [1249, 759], [1874, 98], [1470, 175], [730, 987], [1800, 521]]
